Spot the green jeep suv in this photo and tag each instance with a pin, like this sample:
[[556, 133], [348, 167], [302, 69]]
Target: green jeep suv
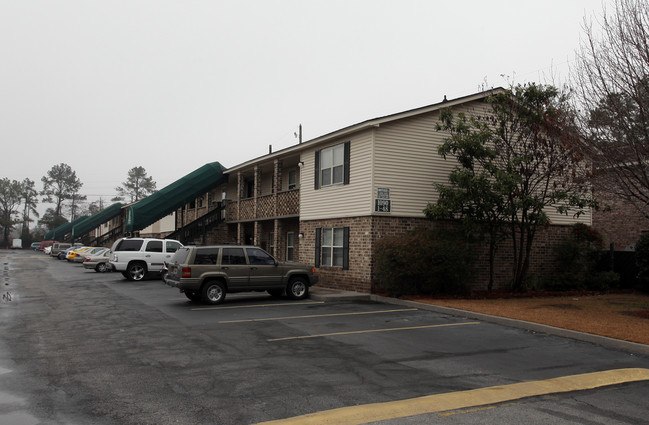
[[207, 273]]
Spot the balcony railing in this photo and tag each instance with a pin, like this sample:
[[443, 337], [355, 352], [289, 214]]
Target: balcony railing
[[268, 206]]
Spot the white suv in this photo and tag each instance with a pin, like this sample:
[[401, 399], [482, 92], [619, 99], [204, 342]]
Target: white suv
[[135, 257]]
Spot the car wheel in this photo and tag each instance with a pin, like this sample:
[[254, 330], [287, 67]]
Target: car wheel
[[275, 292], [135, 271], [193, 296], [213, 292], [297, 289], [101, 268], [125, 274], [163, 275]]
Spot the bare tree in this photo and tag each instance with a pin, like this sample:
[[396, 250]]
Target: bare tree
[[611, 80]]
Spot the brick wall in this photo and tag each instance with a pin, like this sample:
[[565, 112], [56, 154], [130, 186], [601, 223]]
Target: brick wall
[[358, 277], [365, 231], [618, 221]]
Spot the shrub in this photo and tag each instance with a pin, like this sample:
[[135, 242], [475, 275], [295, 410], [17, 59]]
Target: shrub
[[424, 261], [642, 260], [585, 233], [602, 281], [576, 263]]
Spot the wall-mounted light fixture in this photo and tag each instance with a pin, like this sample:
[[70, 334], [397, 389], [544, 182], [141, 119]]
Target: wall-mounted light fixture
[[300, 164], [300, 235]]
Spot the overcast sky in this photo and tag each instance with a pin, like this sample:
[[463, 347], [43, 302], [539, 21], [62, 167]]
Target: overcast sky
[[105, 86]]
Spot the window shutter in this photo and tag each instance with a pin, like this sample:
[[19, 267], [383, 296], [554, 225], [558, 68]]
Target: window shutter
[[346, 170], [345, 248], [316, 178], [317, 246]]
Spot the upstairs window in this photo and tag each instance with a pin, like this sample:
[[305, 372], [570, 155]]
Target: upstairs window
[[249, 188], [292, 180], [332, 165]]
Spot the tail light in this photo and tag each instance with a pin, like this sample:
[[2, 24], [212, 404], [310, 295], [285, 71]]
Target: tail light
[[186, 272]]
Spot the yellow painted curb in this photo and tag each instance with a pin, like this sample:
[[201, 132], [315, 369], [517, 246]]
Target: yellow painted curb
[[355, 415]]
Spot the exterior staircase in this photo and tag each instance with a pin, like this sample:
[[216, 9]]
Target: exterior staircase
[[197, 232]]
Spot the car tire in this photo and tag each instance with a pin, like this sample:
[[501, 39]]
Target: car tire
[[213, 292], [297, 289], [193, 296], [276, 293], [136, 271], [101, 268]]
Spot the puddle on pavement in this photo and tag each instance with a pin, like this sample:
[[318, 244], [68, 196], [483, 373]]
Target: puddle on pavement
[[18, 418], [6, 398]]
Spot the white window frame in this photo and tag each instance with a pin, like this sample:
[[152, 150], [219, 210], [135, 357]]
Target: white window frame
[[292, 174], [332, 165], [290, 246], [332, 246], [271, 243]]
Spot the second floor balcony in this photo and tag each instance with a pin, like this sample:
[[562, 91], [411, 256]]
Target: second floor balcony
[[276, 205]]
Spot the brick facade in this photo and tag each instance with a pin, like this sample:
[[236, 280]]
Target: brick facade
[[358, 277], [619, 222], [366, 231]]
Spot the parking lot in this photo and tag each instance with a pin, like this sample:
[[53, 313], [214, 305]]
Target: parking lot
[[86, 347]]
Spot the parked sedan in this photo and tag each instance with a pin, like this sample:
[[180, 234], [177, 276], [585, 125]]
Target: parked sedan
[[98, 261], [72, 254], [64, 254], [81, 256]]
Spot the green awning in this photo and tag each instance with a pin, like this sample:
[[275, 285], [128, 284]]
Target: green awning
[[63, 229], [96, 220], [167, 200]]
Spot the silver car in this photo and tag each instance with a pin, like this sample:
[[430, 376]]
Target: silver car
[[98, 261]]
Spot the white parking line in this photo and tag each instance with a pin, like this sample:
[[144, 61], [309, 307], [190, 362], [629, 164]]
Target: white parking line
[[253, 306], [371, 331], [357, 313]]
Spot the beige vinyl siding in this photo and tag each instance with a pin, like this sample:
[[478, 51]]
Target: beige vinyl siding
[[350, 200], [406, 161], [556, 218]]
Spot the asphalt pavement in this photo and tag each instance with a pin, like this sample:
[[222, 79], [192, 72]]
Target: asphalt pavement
[[78, 347]]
